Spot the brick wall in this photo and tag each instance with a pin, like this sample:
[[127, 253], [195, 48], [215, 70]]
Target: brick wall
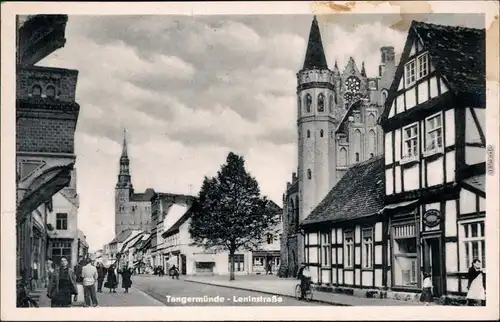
[[45, 135], [64, 80]]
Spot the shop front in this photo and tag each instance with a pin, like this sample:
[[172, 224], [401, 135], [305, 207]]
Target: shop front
[[265, 261]]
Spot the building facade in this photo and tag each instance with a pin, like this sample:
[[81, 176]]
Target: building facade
[[337, 115], [46, 117], [421, 207]]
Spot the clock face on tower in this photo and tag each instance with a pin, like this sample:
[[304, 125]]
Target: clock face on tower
[[352, 84]]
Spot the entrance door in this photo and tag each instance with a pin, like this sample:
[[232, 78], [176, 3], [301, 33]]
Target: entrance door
[[183, 264], [433, 263]]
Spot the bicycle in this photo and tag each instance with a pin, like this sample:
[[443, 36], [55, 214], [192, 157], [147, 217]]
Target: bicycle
[[298, 293]]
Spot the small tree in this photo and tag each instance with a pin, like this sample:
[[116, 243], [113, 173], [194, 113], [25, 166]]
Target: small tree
[[230, 213]]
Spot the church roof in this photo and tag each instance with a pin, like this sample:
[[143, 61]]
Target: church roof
[[315, 54], [145, 196], [121, 237], [359, 193]]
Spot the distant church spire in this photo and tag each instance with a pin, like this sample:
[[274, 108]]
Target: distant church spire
[[124, 179], [315, 55], [124, 148], [363, 71]]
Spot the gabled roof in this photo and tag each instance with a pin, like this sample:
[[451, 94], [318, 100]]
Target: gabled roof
[[360, 193], [458, 53], [315, 54], [179, 222]]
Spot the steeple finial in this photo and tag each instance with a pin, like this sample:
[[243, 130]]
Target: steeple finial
[[363, 71], [124, 148], [315, 54]]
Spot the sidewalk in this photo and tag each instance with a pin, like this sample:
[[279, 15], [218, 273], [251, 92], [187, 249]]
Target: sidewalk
[[133, 298], [286, 287]]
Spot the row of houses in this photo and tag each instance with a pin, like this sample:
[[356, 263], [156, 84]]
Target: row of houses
[[46, 117], [421, 205], [169, 243]]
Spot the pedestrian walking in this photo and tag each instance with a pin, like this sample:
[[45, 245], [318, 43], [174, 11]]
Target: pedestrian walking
[[476, 285], [126, 278], [62, 285], [426, 295], [89, 274], [101, 275], [111, 281], [34, 277]]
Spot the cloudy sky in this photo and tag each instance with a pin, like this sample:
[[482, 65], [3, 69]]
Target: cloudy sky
[[189, 89]]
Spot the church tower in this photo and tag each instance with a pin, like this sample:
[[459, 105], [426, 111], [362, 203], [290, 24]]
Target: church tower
[[123, 191], [317, 120]]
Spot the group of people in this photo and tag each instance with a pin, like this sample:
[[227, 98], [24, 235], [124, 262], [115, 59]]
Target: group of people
[[173, 271], [63, 282]]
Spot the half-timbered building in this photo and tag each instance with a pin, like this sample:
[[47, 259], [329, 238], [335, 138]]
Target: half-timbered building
[[343, 236], [433, 125]]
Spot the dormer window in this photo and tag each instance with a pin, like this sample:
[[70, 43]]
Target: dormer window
[[416, 69]]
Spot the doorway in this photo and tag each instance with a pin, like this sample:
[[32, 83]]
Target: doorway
[[433, 263]]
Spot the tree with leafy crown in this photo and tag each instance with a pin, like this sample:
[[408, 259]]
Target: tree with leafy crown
[[230, 214]]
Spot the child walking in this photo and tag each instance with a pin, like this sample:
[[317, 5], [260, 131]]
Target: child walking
[[427, 289]]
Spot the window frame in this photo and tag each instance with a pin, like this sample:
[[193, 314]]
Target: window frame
[[436, 149], [326, 253], [63, 221], [407, 73], [466, 243], [309, 174], [321, 103], [348, 261], [413, 257], [419, 67], [367, 252], [408, 158], [419, 61], [308, 102]]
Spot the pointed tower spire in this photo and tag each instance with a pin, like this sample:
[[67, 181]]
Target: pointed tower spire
[[363, 71], [124, 179], [315, 54], [124, 148]]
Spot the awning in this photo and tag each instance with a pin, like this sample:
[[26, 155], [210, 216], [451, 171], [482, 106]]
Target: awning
[[201, 257], [399, 205], [44, 187], [266, 253]]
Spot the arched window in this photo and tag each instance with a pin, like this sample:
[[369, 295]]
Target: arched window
[[321, 133], [372, 143], [308, 134], [357, 144], [330, 104], [343, 157], [384, 97], [321, 102], [51, 91], [309, 174], [308, 102], [36, 90], [371, 119]]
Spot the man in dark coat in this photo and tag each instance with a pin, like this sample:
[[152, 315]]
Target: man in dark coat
[[101, 275]]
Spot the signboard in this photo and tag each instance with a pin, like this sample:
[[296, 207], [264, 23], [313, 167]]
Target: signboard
[[39, 36], [432, 218]]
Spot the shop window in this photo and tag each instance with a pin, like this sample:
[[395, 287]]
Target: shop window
[[473, 243], [61, 221], [367, 248], [405, 255], [59, 250], [258, 261], [325, 249], [348, 249], [239, 262]]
